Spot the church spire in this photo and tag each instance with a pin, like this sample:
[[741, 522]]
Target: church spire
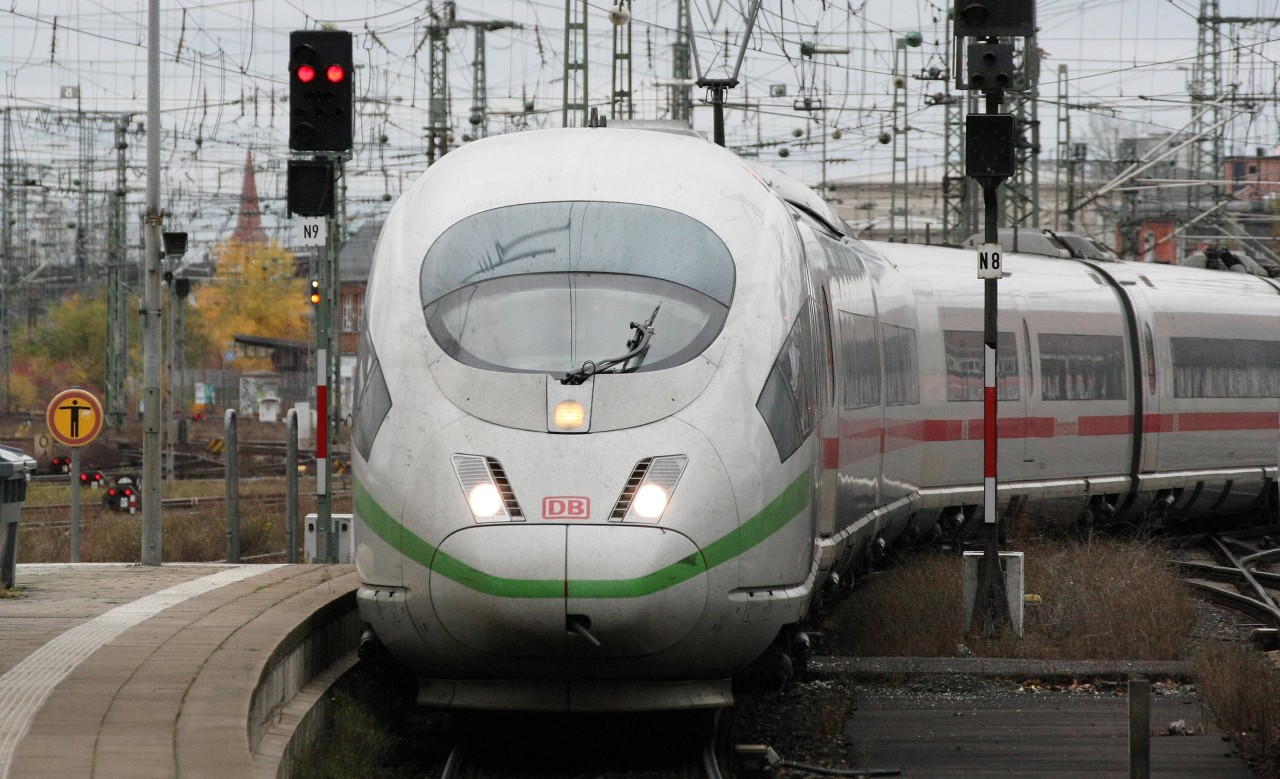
[[249, 226]]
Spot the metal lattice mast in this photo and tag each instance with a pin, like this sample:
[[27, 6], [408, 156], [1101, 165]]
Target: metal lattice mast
[[621, 106], [22, 242], [117, 311], [1022, 192], [1063, 169], [1206, 87], [574, 78], [899, 189], [84, 172], [479, 94], [479, 78], [438, 76], [955, 189], [680, 94], [6, 245]]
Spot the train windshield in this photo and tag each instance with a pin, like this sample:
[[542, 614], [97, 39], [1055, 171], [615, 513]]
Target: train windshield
[[545, 287]]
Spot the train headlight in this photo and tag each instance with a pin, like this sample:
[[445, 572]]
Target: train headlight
[[484, 500], [649, 489], [569, 415], [650, 501], [488, 492]]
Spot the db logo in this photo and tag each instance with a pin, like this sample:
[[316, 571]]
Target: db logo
[[566, 507]]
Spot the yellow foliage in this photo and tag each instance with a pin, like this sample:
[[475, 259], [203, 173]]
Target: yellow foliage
[[23, 392], [253, 292]]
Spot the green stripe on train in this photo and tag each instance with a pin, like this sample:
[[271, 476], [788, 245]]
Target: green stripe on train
[[769, 520]]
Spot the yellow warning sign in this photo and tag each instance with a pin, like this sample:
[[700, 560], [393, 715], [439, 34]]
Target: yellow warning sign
[[74, 417]]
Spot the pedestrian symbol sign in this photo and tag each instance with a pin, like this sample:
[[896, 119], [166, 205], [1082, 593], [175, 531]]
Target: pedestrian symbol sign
[[74, 417]]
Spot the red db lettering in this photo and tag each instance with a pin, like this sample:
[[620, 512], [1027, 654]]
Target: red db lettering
[[566, 507]]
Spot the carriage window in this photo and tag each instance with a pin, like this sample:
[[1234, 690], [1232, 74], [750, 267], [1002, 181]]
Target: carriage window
[[901, 368], [1225, 368], [788, 402], [828, 348], [1149, 344], [860, 359], [1081, 367], [372, 400], [966, 361], [840, 256]]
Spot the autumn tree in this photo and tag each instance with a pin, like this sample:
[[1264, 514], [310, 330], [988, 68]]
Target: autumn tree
[[253, 292], [65, 348]]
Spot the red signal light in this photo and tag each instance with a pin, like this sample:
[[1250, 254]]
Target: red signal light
[[306, 74], [335, 74]]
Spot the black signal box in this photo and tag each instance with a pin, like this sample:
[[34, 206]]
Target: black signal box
[[989, 146], [320, 73], [310, 187], [994, 18]]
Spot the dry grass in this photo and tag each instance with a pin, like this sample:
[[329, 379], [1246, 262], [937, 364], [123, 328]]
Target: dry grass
[[188, 534], [1103, 599], [1241, 686], [47, 493]]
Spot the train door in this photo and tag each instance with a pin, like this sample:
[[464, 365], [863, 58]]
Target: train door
[[1132, 287], [827, 427], [858, 406], [1014, 391], [1149, 318]]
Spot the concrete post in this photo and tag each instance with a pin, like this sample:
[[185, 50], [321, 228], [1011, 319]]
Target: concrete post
[[1139, 728], [232, 459], [291, 486]]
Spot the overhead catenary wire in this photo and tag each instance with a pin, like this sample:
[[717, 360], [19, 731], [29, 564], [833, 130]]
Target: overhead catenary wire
[[216, 58]]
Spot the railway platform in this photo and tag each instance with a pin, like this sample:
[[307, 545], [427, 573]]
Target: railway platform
[[112, 670]]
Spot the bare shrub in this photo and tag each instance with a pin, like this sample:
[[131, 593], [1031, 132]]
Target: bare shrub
[[911, 610], [1101, 600], [1106, 600], [1242, 689]]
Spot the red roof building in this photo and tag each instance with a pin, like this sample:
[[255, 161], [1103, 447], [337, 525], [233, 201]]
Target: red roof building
[[249, 226]]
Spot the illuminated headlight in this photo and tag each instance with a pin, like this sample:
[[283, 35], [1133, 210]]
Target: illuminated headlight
[[484, 499], [569, 415], [485, 485], [650, 501], [649, 489]]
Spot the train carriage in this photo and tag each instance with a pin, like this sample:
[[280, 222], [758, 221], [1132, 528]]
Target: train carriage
[[627, 403]]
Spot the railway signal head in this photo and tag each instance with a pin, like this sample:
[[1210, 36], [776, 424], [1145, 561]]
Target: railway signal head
[[320, 116], [993, 18], [313, 292]]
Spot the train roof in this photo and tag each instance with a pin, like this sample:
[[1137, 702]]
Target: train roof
[[1182, 288], [676, 171]]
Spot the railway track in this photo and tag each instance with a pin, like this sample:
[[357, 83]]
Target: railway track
[[1239, 578], [257, 458], [191, 503], [507, 745]]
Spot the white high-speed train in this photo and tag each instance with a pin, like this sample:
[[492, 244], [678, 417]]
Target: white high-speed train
[[627, 402]]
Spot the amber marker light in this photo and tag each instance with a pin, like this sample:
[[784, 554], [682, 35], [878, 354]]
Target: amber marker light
[[569, 415]]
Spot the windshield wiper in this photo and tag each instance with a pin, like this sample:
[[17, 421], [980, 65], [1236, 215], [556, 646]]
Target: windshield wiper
[[637, 345]]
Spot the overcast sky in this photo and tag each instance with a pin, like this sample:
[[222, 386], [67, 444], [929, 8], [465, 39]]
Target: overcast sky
[[225, 67]]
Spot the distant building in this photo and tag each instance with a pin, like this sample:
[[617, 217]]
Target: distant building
[[1253, 178], [249, 223], [354, 262]]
